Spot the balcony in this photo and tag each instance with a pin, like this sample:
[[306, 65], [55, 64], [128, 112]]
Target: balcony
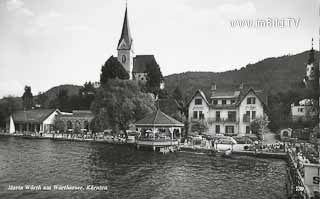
[[230, 119], [193, 119], [221, 120]]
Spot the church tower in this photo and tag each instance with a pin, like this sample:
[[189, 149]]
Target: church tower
[[125, 49], [312, 72]]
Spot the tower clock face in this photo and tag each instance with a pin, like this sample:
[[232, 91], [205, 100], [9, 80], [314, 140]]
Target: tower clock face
[[124, 59]]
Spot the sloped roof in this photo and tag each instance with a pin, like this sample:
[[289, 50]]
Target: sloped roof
[[78, 113], [125, 33], [225, 94], [237, 94], [140, 63], [32, 116], [258, 93], [201, 93], [158, 119]]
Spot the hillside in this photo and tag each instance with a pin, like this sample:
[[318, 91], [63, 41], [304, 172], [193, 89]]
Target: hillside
[[272, 74], [54, 91]]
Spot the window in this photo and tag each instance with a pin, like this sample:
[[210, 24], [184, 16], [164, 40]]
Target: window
[[69, 125], [218, 115], [233, 101], [232, 116], [201, 115], [253, 115], [217, 128], [215, 102], [224, 101], [198, 101], [251, 100], [229, 129], [248, 114], [195, 114], [247, 129], [300, 110]]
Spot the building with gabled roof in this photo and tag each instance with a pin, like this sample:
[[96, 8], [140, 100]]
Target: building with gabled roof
[[227, 112], [35, 120]]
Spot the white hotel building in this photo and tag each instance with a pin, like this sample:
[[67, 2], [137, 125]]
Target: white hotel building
[[227, 112]]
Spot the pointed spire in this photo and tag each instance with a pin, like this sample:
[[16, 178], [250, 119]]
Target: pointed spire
[[311, 54], [125, 34]]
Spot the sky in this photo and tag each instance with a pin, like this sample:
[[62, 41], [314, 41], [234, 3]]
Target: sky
[[45, 43]]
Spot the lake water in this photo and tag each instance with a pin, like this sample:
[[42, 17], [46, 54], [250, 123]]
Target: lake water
[[129, 173]]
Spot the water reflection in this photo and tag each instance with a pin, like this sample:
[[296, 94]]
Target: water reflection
[[133, 174]]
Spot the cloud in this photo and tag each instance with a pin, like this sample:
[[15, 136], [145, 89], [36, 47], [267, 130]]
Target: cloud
[[18, 7]]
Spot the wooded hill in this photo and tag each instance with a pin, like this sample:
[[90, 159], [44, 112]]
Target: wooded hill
[[273, 75]]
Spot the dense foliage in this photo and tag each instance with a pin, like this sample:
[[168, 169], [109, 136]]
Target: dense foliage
[[154, 78], [8, 105], [120, 103], [279, 108], [273, 75], [81, 101], [112, 69]]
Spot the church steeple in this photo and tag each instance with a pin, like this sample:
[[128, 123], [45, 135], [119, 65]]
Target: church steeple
[[125, 40], [311, 55], [125, 48]]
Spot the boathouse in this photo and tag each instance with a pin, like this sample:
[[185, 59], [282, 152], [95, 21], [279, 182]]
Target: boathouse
[[35, 120], [158, 130]]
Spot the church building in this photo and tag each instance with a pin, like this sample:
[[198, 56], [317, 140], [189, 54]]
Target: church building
[[135, 65]]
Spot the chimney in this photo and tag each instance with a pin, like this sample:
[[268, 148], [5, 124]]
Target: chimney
[[213, 89], [241, 86]]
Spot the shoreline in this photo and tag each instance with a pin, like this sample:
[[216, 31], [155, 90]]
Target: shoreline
[[259, 154], [63, 139]]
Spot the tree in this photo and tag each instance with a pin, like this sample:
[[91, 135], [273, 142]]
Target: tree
[[200, 126], [27, 98], [119, 104], [154, 78], [59, 125], [112, 69], [87, 89], [259, 125], [61, 101], [42, 100], [177, 94], [163, 94], [8, 105]]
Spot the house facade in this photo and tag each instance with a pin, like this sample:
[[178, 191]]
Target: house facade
[[226, 112], [304, 110], [78, 120]]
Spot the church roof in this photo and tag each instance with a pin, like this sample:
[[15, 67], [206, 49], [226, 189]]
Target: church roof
[[126, 34], [158, 119], [140, 63]]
